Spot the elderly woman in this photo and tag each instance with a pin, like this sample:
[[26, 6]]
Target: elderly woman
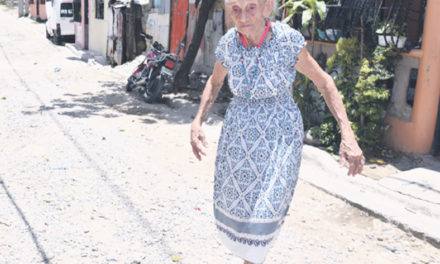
[[259, 151]]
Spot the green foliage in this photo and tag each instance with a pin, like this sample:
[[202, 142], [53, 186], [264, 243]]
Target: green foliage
[[362, 84], [303, 91], [343, 64], [309, 100], [310, 10], [398, 29]]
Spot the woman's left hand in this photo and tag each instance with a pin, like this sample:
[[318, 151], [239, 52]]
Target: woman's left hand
[[351, 154]]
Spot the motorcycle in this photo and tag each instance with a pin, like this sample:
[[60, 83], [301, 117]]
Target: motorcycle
[[155, 71]]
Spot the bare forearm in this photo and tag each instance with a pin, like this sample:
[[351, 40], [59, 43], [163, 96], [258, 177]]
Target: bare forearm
[[336, 106], [349, 151], [208, 98]]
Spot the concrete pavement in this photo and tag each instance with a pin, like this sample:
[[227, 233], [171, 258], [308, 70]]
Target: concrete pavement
[[90, 174], [409, 199]]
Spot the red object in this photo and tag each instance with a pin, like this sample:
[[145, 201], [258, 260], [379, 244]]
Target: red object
[[141, 67], [170, 64], [178, 24], [197, 209], [151, 55], [262, 37]]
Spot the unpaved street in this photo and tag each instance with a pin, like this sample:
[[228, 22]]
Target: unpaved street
[[91, 174]]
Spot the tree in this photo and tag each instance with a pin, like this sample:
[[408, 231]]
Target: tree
[[181, 79]]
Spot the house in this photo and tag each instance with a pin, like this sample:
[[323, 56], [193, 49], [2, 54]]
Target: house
[[98, 25], [413, 114], [124, 40], [38, 9], [110, 29], [415, 127]]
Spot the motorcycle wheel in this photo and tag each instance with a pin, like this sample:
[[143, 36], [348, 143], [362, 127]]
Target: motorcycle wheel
[[130, 85], [153, 90]]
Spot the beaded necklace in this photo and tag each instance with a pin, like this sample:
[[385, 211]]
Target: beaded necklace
[[254, 70]]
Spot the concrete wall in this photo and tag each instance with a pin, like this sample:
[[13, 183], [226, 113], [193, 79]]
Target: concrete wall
[[98, 29], [158, 22], [398, 106], [328, 49], [81, 40], [213, 32], [418, 135], [159, 26], [41, 15]]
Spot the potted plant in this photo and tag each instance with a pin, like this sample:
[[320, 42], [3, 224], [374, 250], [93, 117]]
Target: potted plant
[[333, 34], [387, 33], [311, 10]]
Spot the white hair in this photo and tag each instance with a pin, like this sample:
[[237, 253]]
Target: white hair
[[275, 5], [229, 1]]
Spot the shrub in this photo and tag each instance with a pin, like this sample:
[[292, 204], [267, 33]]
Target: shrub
[[364, 82]]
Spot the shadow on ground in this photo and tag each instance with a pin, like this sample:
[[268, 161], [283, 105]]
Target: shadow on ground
[[112, 101]]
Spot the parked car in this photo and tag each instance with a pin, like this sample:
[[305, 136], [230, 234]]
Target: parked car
[[59, 24]]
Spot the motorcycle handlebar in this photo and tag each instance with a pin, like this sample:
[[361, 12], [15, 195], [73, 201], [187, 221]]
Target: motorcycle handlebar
[[147, 36]]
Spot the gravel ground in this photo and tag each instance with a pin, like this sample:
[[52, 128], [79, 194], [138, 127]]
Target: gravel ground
[[91, 174]]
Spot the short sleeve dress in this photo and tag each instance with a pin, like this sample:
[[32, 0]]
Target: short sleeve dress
[[259, 150]]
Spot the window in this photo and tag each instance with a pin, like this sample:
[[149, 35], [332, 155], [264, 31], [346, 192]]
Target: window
[[157, 3], [99, 9], [162, 6], [77, 11], [66, 10]]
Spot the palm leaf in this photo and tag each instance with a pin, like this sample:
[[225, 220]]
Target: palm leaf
[[306, 17]]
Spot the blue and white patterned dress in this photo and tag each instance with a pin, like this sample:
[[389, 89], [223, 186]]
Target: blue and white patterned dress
[[259, 151]]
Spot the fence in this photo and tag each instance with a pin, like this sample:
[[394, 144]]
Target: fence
[[384, 22]]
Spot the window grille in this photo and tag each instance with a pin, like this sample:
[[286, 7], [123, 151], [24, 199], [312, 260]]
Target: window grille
[[99, 9], [377, 21]]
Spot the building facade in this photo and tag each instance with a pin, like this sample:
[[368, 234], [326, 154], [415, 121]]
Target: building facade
[[38, 9]]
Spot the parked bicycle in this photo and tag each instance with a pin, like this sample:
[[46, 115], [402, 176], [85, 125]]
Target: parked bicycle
[[155, 71]]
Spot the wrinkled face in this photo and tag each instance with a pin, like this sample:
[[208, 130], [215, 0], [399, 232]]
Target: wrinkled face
[[249, 15]]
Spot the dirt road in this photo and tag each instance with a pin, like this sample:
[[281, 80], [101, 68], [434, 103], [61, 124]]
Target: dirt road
[[91, 174]]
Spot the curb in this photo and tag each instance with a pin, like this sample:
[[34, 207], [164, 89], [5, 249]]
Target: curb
[[322, 171], [86, 55]]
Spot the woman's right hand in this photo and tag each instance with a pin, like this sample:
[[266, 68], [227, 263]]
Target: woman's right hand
[[198, 140], [213, 86]]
